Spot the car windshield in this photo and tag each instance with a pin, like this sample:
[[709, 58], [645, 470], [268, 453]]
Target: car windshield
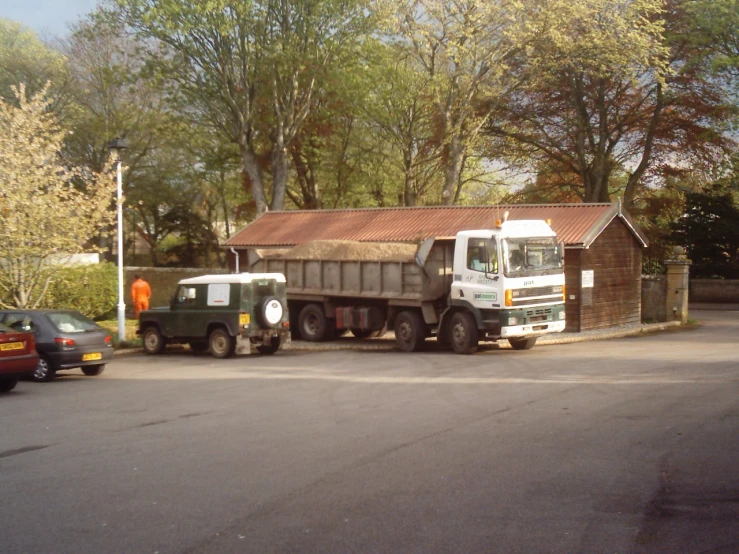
[[71, 322], [531, 256]]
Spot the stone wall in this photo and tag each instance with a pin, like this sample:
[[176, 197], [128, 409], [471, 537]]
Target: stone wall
[[714, 290], [653, 298], [162, 280]]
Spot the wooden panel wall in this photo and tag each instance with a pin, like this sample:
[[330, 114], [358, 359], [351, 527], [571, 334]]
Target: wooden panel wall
[[616, 258], [572, 289]]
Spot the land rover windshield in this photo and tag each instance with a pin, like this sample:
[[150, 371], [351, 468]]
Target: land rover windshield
[[525, 257]]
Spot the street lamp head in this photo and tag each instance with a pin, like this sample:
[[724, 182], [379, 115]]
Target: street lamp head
[[117, 145]]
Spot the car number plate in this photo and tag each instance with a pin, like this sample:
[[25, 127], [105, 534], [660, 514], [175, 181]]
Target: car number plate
[[12, 346], [92, 356]]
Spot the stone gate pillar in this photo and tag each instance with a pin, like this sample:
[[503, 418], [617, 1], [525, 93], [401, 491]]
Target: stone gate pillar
[[676, 302]]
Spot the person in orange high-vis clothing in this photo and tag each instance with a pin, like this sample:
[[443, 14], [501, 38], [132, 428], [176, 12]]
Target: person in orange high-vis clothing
[[140, 293]]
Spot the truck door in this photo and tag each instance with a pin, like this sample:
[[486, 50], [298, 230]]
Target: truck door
[[479, 281]]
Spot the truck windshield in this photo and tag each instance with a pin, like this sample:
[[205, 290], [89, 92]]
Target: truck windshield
[[531, 256]]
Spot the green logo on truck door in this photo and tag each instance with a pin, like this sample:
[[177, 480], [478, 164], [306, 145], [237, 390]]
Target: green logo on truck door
[[488, 296]]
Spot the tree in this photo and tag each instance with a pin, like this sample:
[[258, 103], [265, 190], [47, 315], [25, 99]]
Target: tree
[[651, 108], [249, 69], [709, 231], [47, 208], [465, 47], [26, 59]]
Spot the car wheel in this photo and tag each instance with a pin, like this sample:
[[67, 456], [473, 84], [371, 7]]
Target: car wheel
[[153, 341], [222, 344], [312, 323], [410, 331], [199, 347], [93, 370], [45, 371], [463, 333], [8, 384], [270, 348], [522, 344]]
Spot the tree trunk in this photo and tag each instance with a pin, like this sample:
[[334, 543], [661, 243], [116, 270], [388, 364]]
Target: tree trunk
[[453, 170], [251, 167], [279, 177]]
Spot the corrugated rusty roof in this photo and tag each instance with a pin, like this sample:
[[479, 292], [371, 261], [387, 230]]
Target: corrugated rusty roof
[[578, 225]]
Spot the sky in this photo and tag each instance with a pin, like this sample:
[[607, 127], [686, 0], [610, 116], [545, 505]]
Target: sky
[[49, 18]]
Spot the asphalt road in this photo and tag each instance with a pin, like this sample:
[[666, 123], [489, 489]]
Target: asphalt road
[[618, 446]]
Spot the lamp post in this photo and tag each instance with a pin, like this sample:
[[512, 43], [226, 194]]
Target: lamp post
[[116, 146]]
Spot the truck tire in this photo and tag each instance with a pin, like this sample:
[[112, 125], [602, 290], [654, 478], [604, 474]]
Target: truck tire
[[222, 345], [522, 344], [152, 340], [269, 312], [463, 333], [312, 323], [410, 331]]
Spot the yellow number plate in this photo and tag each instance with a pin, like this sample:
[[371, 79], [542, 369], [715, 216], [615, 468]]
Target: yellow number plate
[[11, 346], [92, 356], [244, 319]]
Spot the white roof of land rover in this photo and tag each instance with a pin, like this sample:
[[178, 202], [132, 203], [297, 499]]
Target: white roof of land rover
[[232, 278]]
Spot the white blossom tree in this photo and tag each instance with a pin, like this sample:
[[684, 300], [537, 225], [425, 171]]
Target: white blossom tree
[[47, 209]]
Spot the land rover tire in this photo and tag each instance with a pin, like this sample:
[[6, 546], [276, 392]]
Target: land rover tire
[[152, 340], [270, 312], [222, 344]]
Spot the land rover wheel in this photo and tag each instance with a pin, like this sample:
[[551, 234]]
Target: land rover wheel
[[270, 312], [271, 348], [199, 347], [152, 340], [410, 331], [222, 344], [463, 334], [522, 344], [312, 323]]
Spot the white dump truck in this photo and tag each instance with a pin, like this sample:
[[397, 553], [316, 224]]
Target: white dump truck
[[483, 285]]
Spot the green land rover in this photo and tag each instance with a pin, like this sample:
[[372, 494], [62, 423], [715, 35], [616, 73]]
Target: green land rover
[[226, 314]]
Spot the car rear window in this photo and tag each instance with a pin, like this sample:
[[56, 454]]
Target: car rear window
[[70, 322]]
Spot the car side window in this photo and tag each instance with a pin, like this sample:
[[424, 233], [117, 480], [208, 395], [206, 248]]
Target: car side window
[[186, 296]]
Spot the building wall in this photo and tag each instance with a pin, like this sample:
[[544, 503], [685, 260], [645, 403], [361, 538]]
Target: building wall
[[653, 298], [615, 298], [572, 290]]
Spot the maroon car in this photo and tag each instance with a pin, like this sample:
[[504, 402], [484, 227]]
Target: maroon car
[[18, 357]]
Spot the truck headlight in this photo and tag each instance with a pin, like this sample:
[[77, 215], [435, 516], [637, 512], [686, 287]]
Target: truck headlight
[[561, 315], [512, 320]]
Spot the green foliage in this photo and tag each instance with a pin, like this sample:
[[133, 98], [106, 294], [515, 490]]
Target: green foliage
[[709, 230], [90, 289]]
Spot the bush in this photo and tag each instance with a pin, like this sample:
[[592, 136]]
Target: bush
[[90, 289]]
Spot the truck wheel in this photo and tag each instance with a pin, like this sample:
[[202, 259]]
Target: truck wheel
[[270, 348], [463, 334], [522, 344], [410, 331], [312, 323], [222, 345], [153, 341]]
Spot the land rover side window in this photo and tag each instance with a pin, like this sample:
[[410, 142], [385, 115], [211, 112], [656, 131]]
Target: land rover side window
[[482, 255], [186, 295], [219, 294]]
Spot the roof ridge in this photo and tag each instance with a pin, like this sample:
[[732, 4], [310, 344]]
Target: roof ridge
[[436, 207]]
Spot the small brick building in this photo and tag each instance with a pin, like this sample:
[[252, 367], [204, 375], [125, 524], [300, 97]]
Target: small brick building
[[603, 245]]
